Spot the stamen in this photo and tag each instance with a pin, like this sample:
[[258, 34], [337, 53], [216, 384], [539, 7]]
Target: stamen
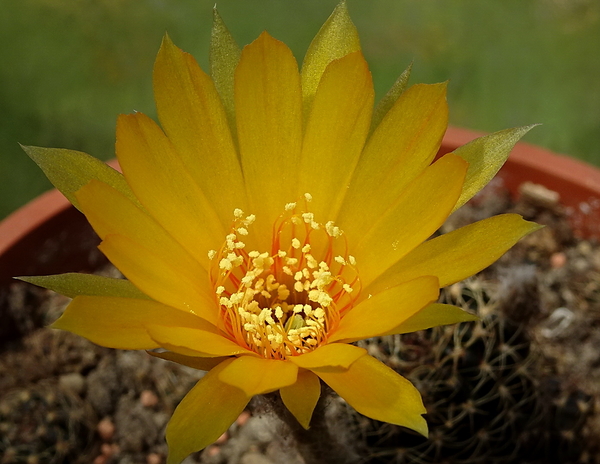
[[284, 303]]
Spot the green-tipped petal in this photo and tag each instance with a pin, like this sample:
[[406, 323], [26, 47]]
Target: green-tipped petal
[[376, 391], [203, 415], [74, 284], [337, 38], [69, 170], [256, 376], [223, 57], [121, 322], [388, 101], [485, 156], [301, 397], [434, 315]]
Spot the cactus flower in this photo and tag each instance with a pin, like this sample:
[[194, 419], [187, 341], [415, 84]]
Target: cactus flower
[[274, 218]]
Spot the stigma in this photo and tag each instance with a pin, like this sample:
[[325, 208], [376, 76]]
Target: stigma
[[284, 301]]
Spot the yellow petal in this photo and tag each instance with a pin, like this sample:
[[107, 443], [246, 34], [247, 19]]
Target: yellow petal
[[335, 133], [485, 156], [458, 254], [376, 391], [337, 38], [194, 342], [418, 213], [162, 280], [73, 284], [161, 182], [69, 170], [193, 117], [224, 57], [269, 121], [195, 362], [333, 356], [110, 212], [390, 98], [301, 397], [400, 148], [433, 315], [386, 310], [255, 375], [203, 415], [121, 322]]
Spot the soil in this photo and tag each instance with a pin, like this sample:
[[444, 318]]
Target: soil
[[521, 385]]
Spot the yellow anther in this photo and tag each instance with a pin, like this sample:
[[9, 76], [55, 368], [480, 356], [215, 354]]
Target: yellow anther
[[279, 312], [225, 264], [258, 309], [308, 217], [283, 293]]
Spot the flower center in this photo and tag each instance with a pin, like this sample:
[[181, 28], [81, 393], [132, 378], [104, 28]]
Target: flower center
[[285, 301]]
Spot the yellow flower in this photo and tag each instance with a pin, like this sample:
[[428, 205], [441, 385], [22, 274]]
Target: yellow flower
[[273, 220]]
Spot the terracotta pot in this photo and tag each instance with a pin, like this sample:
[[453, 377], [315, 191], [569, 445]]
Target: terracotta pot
[[48, 236]]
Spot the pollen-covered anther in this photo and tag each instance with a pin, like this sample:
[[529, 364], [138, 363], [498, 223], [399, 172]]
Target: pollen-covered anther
[[284, 302]]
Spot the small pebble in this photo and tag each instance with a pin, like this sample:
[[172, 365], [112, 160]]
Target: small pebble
[[73, 382], [148, 398], [213, 450], [222, 439], [153, 458], [558, 260], [255, 458], [106, 429], [107, 450], [100, 459], [243, 418], [539, 195]]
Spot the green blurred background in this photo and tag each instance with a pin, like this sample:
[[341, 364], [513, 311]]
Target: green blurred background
[[68, 67]]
